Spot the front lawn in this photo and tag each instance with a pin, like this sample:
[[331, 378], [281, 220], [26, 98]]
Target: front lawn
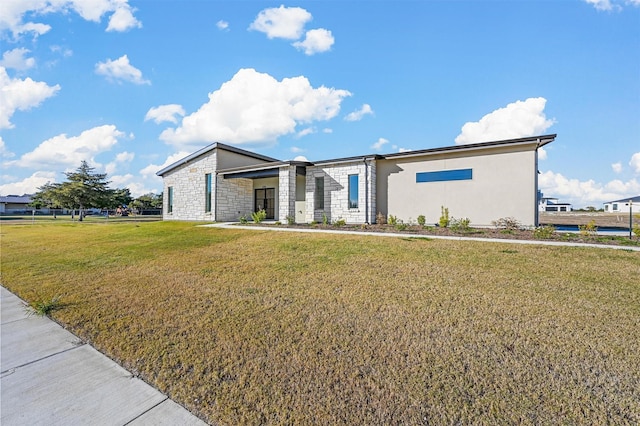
[[259, 327]]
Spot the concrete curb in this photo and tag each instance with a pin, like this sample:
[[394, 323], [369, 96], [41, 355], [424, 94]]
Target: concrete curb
[[234, 225]]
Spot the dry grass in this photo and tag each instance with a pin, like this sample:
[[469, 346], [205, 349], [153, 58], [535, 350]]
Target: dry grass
[[252, 327]]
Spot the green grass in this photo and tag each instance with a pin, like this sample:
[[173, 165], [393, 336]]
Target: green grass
[[258, 327]]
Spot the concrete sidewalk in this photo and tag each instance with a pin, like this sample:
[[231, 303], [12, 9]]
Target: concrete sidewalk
[[48, 376]]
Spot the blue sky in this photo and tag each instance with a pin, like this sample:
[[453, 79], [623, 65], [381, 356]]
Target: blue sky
[[133, 86]]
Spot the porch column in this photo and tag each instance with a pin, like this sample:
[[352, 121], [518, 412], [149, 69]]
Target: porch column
[[287, 192]]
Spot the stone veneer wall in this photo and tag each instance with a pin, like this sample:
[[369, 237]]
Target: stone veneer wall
[[336, 192], [235, 199], [188, 182], [287, 193]]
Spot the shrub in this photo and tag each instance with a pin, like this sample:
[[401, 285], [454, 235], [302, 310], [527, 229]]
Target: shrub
[[243, 219], [444, 217], [381, 219], [291, 220], [588, 229], [340, 222], [259, 216], [509, 223], [393, 221], [278, 223], [460, 225], [401, 226], [544, 232], [422, 220], [325, 219]]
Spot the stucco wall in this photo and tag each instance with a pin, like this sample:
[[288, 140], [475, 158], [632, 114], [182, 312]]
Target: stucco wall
[[503, 185]]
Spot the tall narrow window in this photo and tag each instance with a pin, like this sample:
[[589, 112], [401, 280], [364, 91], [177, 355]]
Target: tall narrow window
[[170, 199], [319, 194], [207, 193], [353, 191]]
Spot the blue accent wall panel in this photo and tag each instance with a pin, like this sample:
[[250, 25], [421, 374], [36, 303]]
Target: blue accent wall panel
[[444, 175]]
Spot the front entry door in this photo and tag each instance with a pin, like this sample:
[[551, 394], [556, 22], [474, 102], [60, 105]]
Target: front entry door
[[266, 200]]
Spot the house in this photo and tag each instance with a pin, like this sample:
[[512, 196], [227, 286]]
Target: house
[[482, 181], [549, 204], [15, 204], [622, 206]]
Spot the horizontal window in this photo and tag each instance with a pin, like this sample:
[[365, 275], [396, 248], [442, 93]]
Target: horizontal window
[[444, 175]]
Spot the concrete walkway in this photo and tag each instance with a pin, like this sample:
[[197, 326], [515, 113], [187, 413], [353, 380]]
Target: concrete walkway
[[48, 376], [235, 225]]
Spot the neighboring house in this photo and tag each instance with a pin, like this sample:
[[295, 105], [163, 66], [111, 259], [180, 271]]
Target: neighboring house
[[548, 204], [622, 206], [15, 204], [481, 181]]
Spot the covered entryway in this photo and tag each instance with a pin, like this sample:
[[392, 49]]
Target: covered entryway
[[265, 199]]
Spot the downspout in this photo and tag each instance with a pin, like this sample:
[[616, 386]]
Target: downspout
[[536, 218]]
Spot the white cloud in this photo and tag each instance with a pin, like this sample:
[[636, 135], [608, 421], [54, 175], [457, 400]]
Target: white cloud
[[148, 174], [255, 107], [281, 22], [585, 193], [516, 120], [62, 151], [296, 150], [4, 152], [222, 25], [378, 145], [123, 19], [616, 167], [305, 132], [16, 59], [165, 113], [134, 184], [17, 94], [635, 162], [316, 41], [601, 4], [120, 70], [121, 158], [29, 185], [327, 130], [14, 12], [359, 114]]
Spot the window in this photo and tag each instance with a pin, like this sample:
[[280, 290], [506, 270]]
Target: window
[[319, 194], [207, 192], [444, 175], [353, 191], [170, 199], [615, 207]]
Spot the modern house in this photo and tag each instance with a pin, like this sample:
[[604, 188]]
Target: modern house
[[481, 181], [549, 204], [623, 205]]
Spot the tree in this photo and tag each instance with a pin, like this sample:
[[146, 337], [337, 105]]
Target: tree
[[148, 201], [83, 189]]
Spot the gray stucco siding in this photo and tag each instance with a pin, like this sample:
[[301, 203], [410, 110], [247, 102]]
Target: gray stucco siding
[[502, 185]]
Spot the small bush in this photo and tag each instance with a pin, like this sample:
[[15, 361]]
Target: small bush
[[381, 219], [588, 229], [460, 225], [393, 221], [325, 219], [544, 232], [243, 219], [340, 222], [444, 217], [422, 220], [278, 223], [401, 226], [259, 216], [509, 223], [291, 220]]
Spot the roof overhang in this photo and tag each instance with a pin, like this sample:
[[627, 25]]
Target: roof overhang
[[261, 171]]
